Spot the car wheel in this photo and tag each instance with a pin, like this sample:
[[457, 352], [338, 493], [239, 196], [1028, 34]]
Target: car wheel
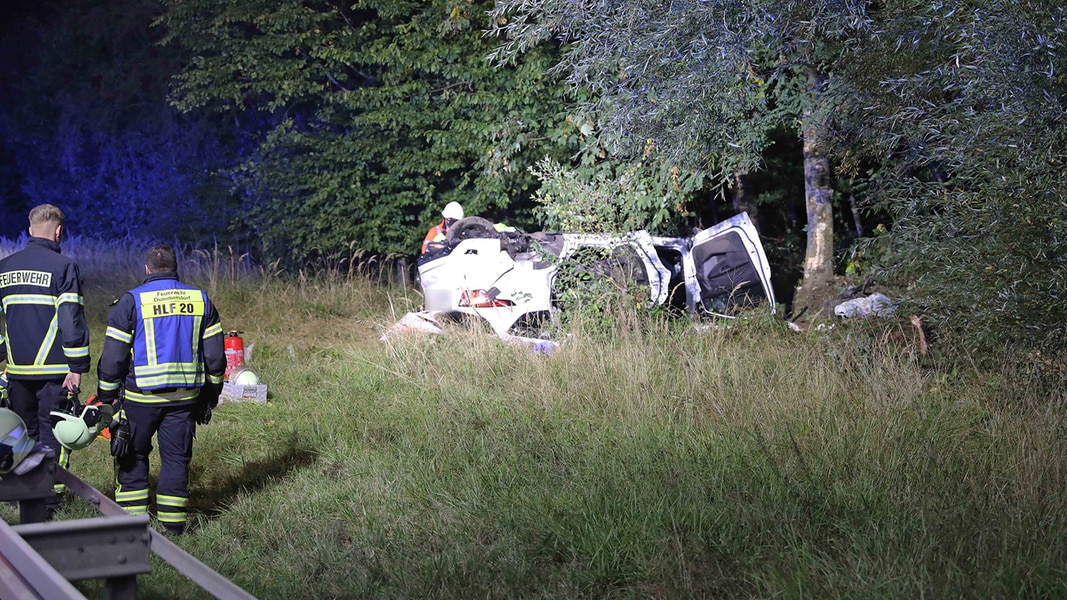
[[470, 227]]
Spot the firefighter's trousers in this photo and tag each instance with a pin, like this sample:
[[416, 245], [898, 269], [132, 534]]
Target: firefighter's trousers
[[33, 400], [174, 429]]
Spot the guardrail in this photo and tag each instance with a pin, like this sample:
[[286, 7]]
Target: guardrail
[[39, 560], [25, 574]]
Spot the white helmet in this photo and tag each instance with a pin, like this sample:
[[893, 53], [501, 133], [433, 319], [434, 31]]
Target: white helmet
[[244, 376], [452, 211]]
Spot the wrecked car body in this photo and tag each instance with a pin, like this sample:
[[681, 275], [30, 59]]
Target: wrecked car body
[[512, 278]]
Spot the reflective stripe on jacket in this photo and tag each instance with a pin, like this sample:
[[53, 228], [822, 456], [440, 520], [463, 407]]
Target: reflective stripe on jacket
[[40, 298]]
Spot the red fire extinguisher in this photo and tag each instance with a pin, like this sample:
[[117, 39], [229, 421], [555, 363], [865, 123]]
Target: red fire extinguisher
[[235, 351]]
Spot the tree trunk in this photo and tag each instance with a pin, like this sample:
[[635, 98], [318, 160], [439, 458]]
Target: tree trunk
[[819, 258]]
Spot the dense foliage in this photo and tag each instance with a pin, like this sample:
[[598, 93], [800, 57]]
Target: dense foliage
[[375, 115], [614, 197], [973, 118]]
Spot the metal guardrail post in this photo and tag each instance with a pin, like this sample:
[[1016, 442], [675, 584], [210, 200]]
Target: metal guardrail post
[[94, 548], [26, 574], [196, 571]]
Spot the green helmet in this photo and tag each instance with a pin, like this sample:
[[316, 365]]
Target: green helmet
[[75, 426], [15, 442]]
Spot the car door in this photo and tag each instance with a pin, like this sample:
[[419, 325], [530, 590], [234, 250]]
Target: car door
[[726, 268]]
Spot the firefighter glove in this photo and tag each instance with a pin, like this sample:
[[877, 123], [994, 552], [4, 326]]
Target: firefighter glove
[[121, 435], [202, 413]]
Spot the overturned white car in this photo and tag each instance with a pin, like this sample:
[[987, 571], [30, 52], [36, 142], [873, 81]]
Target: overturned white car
[[511, 278]]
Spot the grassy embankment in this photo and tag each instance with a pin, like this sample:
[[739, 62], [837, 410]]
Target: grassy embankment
[[660, 462]]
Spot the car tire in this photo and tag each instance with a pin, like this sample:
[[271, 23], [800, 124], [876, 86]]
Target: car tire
[[470, 227]]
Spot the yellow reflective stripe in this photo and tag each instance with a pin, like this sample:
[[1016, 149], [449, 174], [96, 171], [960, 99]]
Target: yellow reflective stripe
[[119, 335], [138, 509], [168, 367], [196, 339], [160, 398], [150, 340], [214, 378], [49, 338], [76, 352], [165, 381], [130, 495], [64, 461], [36, 299], [13, 369], [70, 297], [108, 386], [172, 517], [213, 330], [175, 501]]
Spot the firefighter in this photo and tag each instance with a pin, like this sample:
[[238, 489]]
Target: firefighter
[[164, 346], [47, 345], [435, 237]]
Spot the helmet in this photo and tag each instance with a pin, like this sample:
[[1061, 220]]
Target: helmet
[[244, 376], [15, 443], [452, 211], [76, 426]]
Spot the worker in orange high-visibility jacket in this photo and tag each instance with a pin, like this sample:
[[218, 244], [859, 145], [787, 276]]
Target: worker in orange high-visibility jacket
[[164, 345], [435, 237], [47, 345]]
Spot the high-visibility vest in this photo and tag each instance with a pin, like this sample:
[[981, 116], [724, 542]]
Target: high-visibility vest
[[435, 234], [166, 341]]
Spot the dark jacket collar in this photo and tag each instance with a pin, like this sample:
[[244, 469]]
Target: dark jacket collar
[[162, 275], [44, 242]]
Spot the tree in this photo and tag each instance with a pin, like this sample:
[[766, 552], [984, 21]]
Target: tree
[[368, 116], [969, 102], [705, 82]]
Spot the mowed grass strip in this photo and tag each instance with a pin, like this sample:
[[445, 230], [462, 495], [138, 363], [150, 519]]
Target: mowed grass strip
[[657, 461]]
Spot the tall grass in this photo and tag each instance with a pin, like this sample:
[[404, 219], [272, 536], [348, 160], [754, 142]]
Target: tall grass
[[655, 460]]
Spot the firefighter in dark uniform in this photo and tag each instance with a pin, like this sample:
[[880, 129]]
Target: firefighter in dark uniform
[[164, 345], [47, 342]]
